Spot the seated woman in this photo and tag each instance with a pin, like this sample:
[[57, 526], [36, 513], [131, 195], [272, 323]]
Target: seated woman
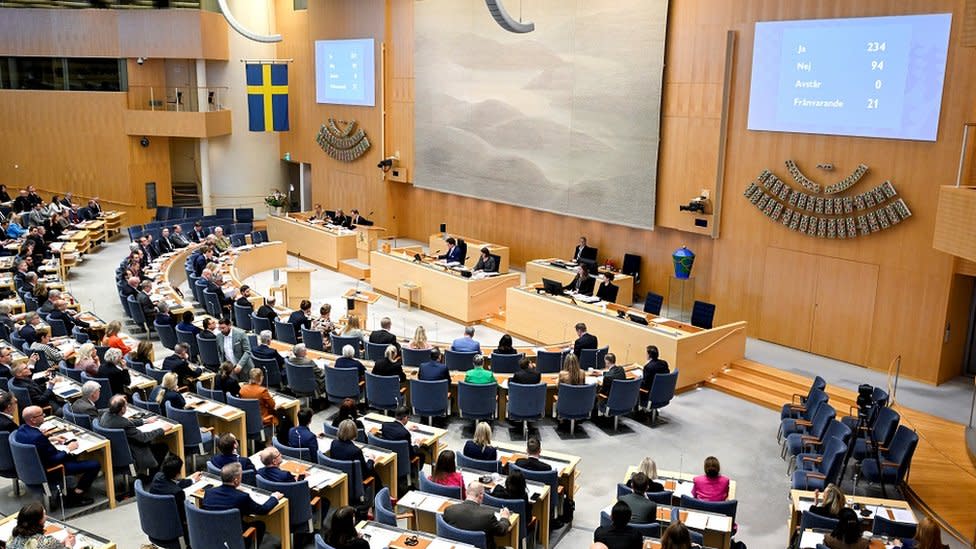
[[352, 328], [928, 535], [480, 447], [514, 488], [445, 472], [225, 380], [833, 502], [711, 486], [571, 373], [390, 365], [168, 391], [325, 325], [676, 536], [29, 531], [419, 341], [255, 389], [347, 410], [112, 338], [847, 533], [649, 468], [343, 534], [87, 359], [344, 448], [143, 353], [505, 346]]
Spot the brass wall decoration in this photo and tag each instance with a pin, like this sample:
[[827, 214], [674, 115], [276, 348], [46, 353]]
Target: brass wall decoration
[[344, 144]]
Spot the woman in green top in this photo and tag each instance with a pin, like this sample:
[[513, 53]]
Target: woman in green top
[[478, 375]]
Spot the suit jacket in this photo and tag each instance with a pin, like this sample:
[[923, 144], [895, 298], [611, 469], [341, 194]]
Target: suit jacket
[[7, 425], [163, 486], [28, 333], [220, 498], [148, 307], [386, 367], [488, 265], [619, 538], [219, 460], [651, 369], [118, 378], [128, 290], [40, 394], [276, 474], [584, 252], [344, 362], [384, 337], [242, 349], [50, 456], [267, 353], [475, 451], [149, 251], [582, 286], [585, 341], [466, 345], [199, 263], [198, 236], [346, 450], [221, 297], [266, 311], [617, 372], [68, 320], [299, 321], [139, 441], [83, 406], [266, 403], [608, 292], [303, 437], [181, 368], [643, 510], [163, 246], [532, 464], [453, 254], [527, 376], [178, 240], [394, 430], [433, 371], [468, 515]]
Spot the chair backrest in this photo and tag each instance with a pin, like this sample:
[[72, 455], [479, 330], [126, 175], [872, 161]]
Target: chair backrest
[[176, 212], [415, 357], [272, 373], [339, 342], [505, 364], [212, 394], [514, 505], [477, 401], [183, 336], [76, 332], [383, 392], [209, 355], [459, 361], [727, 507], [702, 314], [214, 528], [260, 324], [313, 339], [151, 404], [285, 331], [105, 394], [69, 372], [885, 426], [429, 398], [167, 335], [661, 498], [833, 461], [821, 421], [134, 364], [374, 351], [594, 358], [58, 328], [623, 396], [812, 520], [28, 464], [575, 401], [352, 470], [224, 213], [402, 449], [662, 389], [242, 317], [248, 477], [211, 303], [489, 466], [383, 507], [301, 378], [162, 213], [631, 265], [550, 362], [258, 237], [8, 469], [135, 311], [156, 374], [298, 453], [550, 478], [817, 399], [22, 394], [119, 445], [299, 501], [526, 402], [445, 530], [252, 413], [902, 448], [340, 384], [191, 425], [892, 529], [321, 544], [653, 303], [819, 384], [81, 420], [158, 515], [244, 215]]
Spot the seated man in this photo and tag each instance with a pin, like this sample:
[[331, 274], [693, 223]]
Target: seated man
[[267, 310], [221, 242], [28, 433], [384, 335], [145, 453], [532, 462], [179, 364], [478, 375], [584, 340], [301, 436], [397, 430], [62, 313], [348, 360], [271, 459], [227, 453], [167, 482], [468, 343], [471, 515], [527, 373], [454, 253], [8, 407], [41, 390], [186, 324], [91, 391], [266, 352], [300, 358], [228, 496], [611, 373], [643, 510], [619, 533], [653, 367], [433, 369]]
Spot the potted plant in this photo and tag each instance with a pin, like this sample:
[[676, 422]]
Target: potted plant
[[276, 200]]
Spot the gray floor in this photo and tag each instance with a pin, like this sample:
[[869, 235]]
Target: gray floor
[[698, 423]]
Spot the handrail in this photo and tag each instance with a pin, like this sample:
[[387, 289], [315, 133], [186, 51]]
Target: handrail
[[721, 339], [87, 198]]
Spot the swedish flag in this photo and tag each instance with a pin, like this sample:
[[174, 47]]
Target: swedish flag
[[267, 97]]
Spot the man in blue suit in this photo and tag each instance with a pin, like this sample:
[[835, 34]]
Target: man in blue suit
[[271, 458], [434, 369], [227, 453], [227, 496], [28, 433], [397, 430], [468, 343], [454, 252]]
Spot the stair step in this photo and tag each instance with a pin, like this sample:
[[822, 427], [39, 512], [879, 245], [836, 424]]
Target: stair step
[[841, 398], [745, 391], [784, 391]]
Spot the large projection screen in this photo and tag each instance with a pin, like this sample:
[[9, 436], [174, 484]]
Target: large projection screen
[[563, 119]]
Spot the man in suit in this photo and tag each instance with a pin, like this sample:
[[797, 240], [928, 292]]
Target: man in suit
[[179, 364], [433, 369], [267, 310], [583, 340], [653, 367], [398, 430], [214, 284], [91, 391], [95, 206], [41, 391], [619, 533], [28, 433], [227, 452], [227, 496], [607, 290], [271, 459], [582, 251], [198, 233], [164, 245], [8, 407], [221, 242], [145, 302], [299, 356], [147, 249], [611, 373], [233, 346], [356, 219], [176, 237], [131, 287], [145, 453], [167, 482], [341, 219], [266, 352], [526, 374], [467, 343], [384, 336], [471, 515], [486, 262], [643, 510], [62, 313], [201, 260], [454, 253], [582, 283], [66, 200], [29, 331], [533, 451], [300, 319]]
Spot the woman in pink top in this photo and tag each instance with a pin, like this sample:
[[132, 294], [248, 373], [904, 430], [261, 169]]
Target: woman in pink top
[[711, 486], [445, 472]]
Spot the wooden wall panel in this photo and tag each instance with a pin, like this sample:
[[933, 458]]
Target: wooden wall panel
[[789, 277], [959, 301], [844, 313], [954, 230]]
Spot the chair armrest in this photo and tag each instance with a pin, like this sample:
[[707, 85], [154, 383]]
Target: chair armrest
[[251, 532], [797, 399], [368, 480], [403, 390], [890, 464], [206, 429], [810, 459], [803, 423], [404, 516], [58, 467], [815, 474], [644, 391], [602, 396], [362, 383], [559, 489], [810, 440], [315, 501]]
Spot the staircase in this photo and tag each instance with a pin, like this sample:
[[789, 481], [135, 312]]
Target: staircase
[[770, 387], [186, 194]]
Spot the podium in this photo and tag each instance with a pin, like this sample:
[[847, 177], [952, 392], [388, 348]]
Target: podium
[[357, 303], [299, 284], [366, 237]]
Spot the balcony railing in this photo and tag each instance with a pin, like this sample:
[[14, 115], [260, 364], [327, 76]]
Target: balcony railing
[[207, 5], [177, 99]]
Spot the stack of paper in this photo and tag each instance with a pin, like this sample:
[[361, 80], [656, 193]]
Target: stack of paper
[[696, 521]]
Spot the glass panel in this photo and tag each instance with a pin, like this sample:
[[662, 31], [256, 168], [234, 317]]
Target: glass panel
[[301, 5], [94, 75], [37, 73]]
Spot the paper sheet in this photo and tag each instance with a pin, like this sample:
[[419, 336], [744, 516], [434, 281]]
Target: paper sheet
[[903, 515], [431, 503], [809, 539], [696, 521], [411, 499]]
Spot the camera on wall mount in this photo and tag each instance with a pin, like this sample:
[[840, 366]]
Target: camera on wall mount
[[699, 204], [387, 163]]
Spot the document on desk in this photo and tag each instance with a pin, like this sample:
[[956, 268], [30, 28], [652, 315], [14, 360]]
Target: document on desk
[[898, 514], [380, 538], [810, 539], [412, 499], [319, 477], [200, 485], [719, 523], [150, 427], [431, 503], [696, 521], [683, 489]]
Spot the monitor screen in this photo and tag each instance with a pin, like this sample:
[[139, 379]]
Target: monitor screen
[[345, 72]]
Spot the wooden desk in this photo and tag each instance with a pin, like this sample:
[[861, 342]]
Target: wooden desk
[[537, 269], [322, 481], [113, 221], [426, 507], [382, 536], [678, 483], [96, 230], [716, 529], [566, 464], [314, 242], [59, 530], [437, 242], [286, 404], [222, 417], [891, 509], [695, 352], [91, 445], [247, 261], [426, 437], [465, 299], [276, 520]]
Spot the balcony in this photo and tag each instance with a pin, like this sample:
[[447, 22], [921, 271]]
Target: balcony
[[177, 112]]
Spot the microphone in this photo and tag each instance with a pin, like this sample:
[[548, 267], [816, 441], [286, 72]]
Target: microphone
[[370, 212]]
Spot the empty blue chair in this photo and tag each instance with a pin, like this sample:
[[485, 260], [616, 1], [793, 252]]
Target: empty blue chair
[[301, 379], [183, 336], [156, 374], [259, 237], [176, 212], [594, 358], [211, 303], [798, 403], [445, 530], [430, 398], [213, 394], [17, 341], [224, 213], [489, 466], [549, 362], [218, 528], [892, 529], [526, 403], [297, 453], [415, 357], [653, 303], [383, 506], [505, 364], [622, 399], [241, 229], [253, 420], [817, 475], [459, 361], [882, 432], [431, 487], [135, 311], [340, 384], [313, 339], [81, 420], [149, 405], [242, 317], [353, 471], [252, 340], [76, 332], [662, 391], [477, 402], [339, 342], [260, 324], [209, 355], [191, 213], [787, 425], [135, 365], [702, 314], [272, 373], [196, 441], [159, 517], [575, 403], [285, 332], [837, 434], [383, 392], [890, 466], [375, 351], [244, 215], [300, 502], [810, 520], [162, 213]]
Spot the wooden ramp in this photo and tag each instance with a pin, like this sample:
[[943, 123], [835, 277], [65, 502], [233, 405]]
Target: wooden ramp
[[942, 480]]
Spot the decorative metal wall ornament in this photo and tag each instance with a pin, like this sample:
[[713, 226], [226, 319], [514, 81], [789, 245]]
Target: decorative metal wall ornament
[[827, 217], [345, 144]]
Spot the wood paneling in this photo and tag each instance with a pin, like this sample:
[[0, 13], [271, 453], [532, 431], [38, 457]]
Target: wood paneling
[[955, 232], [178, 124], [958, 301], [844, 311], [789, 277]]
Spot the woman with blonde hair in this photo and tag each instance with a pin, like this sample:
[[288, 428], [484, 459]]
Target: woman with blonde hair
[[143, 353], [168, 391], [87, 359], [833, 502], [112, 338], [419, 341], [928, 535], [649, 468], [480, 447], [352, 328], [572, 374]]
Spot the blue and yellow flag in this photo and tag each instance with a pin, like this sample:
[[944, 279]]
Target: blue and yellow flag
[[267, 97]]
